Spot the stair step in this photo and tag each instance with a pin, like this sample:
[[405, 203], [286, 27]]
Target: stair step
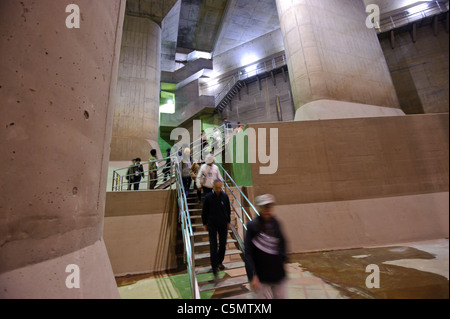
[[206, 243], [229, 282], [207, 255], [203, 233], [228, 266]]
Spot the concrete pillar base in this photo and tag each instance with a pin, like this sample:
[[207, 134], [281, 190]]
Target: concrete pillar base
[[47, 280], [328, 109]]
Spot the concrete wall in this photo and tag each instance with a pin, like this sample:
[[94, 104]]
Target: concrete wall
[[332, 55], [358, 182], [258, 102], [136, 111], [140, 231], [420, 70], [259, 48], [56, 92]]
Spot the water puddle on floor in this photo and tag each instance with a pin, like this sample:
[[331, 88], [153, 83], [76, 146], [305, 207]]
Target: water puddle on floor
[[404, 272]]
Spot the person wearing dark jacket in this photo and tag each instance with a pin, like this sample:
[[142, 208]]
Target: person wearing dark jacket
[[216, 214], [265, 252]]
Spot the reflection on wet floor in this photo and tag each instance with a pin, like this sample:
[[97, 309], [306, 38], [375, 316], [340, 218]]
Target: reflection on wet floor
[[346, 271], [412, 271]]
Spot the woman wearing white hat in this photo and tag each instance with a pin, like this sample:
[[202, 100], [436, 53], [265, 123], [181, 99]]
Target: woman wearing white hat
[[265, 252]]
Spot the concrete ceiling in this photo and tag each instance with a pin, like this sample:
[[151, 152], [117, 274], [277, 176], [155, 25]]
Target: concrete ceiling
[[219, 25], [153, 9], [245, 21], [199, 23]]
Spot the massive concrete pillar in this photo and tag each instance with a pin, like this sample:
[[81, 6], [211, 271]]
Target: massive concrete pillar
[[136, 118], [332, 55], [56, 89]]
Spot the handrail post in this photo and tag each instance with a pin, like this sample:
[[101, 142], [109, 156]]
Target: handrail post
[[113, 180]]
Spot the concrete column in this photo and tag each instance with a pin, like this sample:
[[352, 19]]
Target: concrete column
[[332, 55], [136, 117], [56, 113]]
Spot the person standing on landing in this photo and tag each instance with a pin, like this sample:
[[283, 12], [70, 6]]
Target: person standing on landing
[[216, 214], [265, 252]]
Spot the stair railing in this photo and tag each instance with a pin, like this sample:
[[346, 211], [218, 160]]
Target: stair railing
[[198, 152], [248, 72], [240, 204], [187, 232], [121, 176]]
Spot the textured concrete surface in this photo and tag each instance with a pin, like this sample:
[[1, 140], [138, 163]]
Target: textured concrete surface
[[328, 62], [56, 94], [136, 111], [420, 70]]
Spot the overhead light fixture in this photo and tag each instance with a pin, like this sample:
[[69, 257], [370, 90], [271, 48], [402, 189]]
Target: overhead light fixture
[[195, 55], [168, 108], [419, 8], [248, 59]]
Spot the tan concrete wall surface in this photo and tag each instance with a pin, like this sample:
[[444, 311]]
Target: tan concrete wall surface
[[353, 182], [348, 159], [140, 231], [420, 70], [56, 94], [364, 223], [332, 54], [47, 280], [136, 111]]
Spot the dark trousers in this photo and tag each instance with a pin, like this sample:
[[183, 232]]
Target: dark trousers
[[153, 178], [217, 255], [187, 184], [206, 191], [136, 181]]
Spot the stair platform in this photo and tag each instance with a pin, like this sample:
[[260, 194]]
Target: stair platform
[[224, 283], [228, 266], [228, 252]]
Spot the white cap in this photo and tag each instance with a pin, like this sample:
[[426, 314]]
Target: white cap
[[210, 159], [265, 199], [187, 151]]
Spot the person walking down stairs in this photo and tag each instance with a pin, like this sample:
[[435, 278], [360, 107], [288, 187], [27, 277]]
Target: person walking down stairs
[[265, 252], [207, 174], [216, 214]]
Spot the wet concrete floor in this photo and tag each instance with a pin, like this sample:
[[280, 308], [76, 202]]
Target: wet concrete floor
[[407, 271]]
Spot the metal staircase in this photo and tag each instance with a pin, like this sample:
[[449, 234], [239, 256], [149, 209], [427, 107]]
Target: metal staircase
[[250, 74], [232, 280], [233, 257]]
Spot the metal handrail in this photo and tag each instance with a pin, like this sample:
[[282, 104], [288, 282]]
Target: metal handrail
[[187, 231], [184, 214], [240, 191], [248, 72], [120, 181], [196, 145], [403, 18]]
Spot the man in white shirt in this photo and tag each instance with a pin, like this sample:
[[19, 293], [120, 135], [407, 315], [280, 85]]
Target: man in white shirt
[[207, 174]]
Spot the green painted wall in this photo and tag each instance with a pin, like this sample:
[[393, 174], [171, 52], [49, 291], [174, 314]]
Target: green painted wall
[[240, 172]]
